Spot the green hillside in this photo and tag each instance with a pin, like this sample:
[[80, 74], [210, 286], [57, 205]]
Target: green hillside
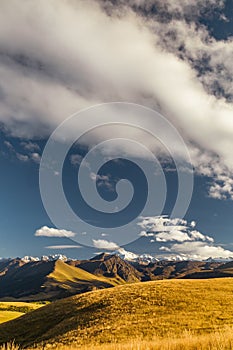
[[128, 312]]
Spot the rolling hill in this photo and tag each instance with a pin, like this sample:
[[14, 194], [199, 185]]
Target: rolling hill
[[128, 312]]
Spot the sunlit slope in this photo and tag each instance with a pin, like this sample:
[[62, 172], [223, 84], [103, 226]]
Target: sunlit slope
[[11, 310], [126, 312], [76, 279], [48, 281]]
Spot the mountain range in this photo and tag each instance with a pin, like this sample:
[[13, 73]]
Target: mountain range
[[25, 280]]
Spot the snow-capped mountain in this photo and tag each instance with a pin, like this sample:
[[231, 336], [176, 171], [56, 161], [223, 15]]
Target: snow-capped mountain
[[54, 257]]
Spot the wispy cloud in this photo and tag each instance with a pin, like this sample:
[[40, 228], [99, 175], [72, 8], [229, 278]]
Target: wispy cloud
[[105, 181], [77, 159], [63, 247], [30, 146], [24, 152], [22, 157]]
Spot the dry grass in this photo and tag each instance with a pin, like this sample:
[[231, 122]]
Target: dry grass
[[222, 340], [12, 310], [215, 341], [9, 346], [164, 315], [9, 315]]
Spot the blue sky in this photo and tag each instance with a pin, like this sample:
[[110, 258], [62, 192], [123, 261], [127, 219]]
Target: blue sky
[[174, 57]]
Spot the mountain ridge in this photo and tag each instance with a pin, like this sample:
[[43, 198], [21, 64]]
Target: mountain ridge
[[55, 279], [48, 281]]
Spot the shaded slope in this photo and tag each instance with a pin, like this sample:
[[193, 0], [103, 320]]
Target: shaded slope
[[110, 266], [141, 310], [20, 282], [7, 265], [47, 280], [223, 270], [174, 269]]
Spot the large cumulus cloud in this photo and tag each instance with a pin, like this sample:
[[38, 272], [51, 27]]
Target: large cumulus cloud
[[61, 56]]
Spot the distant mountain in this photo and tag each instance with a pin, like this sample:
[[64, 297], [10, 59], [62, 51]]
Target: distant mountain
[[57, 277], [218, 271], [7, 265], [175, 269], [111, 266], [46, 280]]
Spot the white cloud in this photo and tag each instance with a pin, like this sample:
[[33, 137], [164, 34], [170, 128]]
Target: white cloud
[[153, 224], [53, 232], [35, 157], [164, 229], [103, 244], [63, 246], [222, 188], [209, 165], [201, 250], [176, 8], [172, 235], [192, 244], [84, 61], [198, 236]]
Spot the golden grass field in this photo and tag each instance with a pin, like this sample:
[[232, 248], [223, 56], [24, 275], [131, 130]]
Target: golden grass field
[[163, 315], [214, 341], [11, 310], [222, 340]]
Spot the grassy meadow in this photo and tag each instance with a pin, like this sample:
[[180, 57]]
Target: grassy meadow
[[163, 315], [11, 310]]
